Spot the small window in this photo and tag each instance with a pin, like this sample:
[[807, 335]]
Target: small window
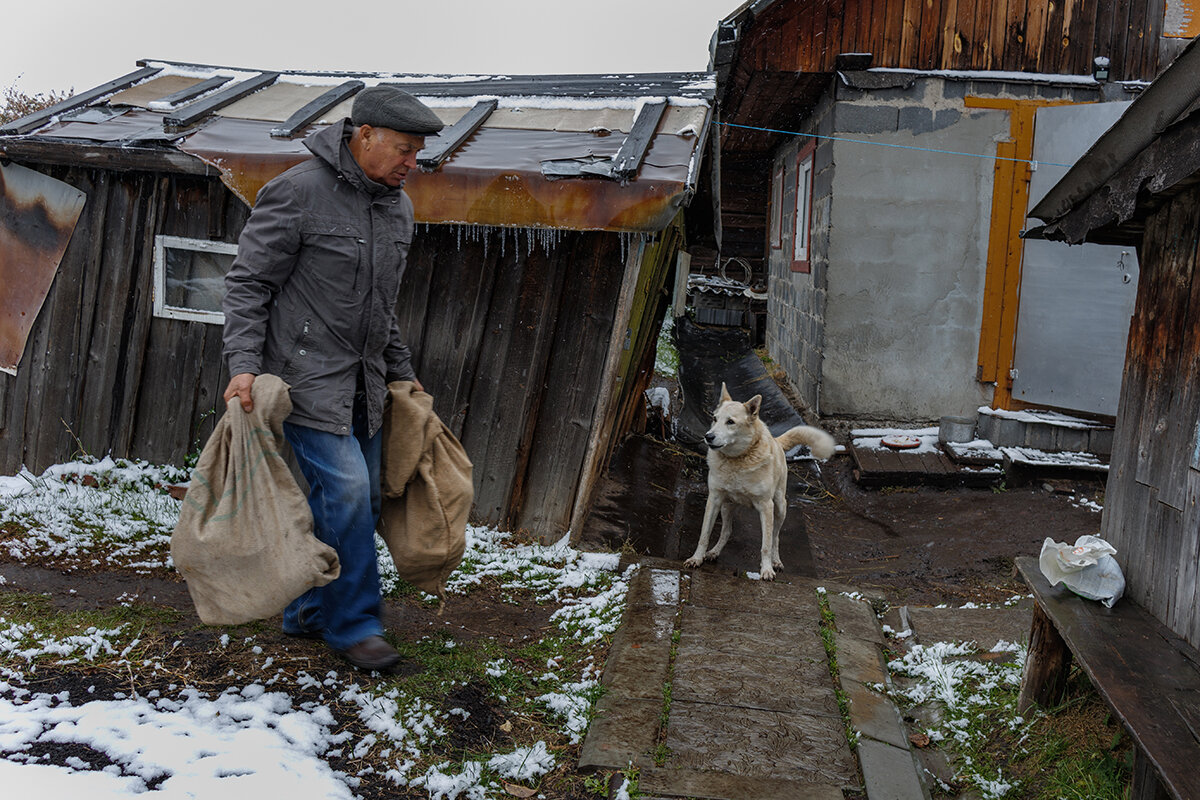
[[777, 210], [801, 237], [189, 278]]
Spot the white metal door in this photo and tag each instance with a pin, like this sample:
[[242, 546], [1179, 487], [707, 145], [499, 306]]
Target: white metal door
[[1076, 301]]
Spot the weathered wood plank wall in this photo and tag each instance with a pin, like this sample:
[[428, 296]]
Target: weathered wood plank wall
[[1151, 509], [511, 339], [100, 374], [510, 333], [1061, 37]]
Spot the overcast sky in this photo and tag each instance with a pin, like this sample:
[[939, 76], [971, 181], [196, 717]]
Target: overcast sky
[[82, 43]]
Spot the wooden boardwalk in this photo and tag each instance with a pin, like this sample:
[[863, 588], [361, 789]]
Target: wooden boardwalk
[[881, 467]]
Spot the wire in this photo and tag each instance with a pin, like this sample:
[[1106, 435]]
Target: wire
[[1032, 162]]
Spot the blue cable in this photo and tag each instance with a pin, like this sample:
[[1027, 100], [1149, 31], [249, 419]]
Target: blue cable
[[889, 144]]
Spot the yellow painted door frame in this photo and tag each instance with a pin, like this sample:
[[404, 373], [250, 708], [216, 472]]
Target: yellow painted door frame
[[1002, 283]]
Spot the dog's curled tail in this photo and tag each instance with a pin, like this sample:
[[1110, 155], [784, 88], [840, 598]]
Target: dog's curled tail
[[819, 442]]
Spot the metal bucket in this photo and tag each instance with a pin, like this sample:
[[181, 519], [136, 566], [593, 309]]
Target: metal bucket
[[956, 429]]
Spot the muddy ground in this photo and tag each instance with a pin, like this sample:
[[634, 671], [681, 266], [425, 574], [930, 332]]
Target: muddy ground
[[907, 545], [916, 545]]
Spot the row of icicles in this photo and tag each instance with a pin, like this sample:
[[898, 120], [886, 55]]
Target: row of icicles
[[523, 240]]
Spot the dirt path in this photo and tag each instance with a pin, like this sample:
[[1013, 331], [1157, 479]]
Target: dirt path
[[923, 545], [914, 545]]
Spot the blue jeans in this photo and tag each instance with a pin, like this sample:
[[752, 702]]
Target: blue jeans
[[344, 495]]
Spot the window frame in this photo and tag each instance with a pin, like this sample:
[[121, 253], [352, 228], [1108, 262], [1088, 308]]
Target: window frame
[[802, 227], [162, 243], [775, 225]]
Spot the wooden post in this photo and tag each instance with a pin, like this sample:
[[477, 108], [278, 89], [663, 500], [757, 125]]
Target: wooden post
[[1144, 783], [1046, 665]]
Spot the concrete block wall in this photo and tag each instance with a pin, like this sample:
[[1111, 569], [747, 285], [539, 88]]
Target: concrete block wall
[[886, 325], [796, 300]]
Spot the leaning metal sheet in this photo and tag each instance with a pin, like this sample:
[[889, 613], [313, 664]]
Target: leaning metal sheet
[[126, 126], [37, 217]]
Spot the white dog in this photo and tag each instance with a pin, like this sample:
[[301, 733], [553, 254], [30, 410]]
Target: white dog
[[746, 466]]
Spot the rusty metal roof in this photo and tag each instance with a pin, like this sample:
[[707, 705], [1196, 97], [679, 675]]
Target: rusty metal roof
[[588, 152]]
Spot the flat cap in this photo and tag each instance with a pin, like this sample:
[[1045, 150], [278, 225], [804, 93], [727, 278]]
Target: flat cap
[[389, 107]]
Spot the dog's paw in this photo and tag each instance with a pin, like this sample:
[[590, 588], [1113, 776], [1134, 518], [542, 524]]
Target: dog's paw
[[711, 555], [767, 574], [693, 562], [777, 563]]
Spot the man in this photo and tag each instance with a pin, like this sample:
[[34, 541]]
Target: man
[[311, 298]]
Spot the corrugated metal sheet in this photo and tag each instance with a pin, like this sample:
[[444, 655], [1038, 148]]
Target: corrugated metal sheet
[[508, 172], [37, 216]]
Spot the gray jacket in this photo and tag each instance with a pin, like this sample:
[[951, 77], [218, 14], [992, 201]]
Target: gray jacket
[[311, 296]]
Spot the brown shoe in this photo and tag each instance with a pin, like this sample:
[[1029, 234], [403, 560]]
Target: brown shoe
[[372, 653]]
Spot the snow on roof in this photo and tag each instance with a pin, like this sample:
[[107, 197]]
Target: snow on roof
[[1045, 417], [992, 75], [615, 153]]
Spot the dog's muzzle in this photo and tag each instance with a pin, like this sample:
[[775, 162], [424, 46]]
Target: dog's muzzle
[[709, 439]]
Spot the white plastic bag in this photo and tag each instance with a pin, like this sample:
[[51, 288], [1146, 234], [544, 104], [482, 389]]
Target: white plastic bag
[[1087, 568]]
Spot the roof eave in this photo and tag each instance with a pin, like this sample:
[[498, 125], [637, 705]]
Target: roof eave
[[1144, 121]]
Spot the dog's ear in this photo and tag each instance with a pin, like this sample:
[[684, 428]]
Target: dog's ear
[[753, 404], [725, 398]]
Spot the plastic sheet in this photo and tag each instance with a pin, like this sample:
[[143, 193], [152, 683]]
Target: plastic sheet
[[710, 356]]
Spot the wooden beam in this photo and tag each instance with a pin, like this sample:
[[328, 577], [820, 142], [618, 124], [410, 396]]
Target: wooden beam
[[453, 137], [118, 157], [629, 158], [203, 108], [313, 109], [195, 90], [39, 118]]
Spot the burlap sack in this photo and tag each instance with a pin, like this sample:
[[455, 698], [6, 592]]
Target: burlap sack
[[427, 490], [244, 542]]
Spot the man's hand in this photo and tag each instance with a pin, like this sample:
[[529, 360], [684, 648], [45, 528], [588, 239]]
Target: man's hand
[[417, 385], [239, 386]]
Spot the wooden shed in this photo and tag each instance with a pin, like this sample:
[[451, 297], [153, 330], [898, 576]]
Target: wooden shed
[[874, 164], [549, 213], [1139, 186]]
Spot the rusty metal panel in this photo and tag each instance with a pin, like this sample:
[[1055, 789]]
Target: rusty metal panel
[[493, 179], [37, 216], [245, 153], [1181, 19]]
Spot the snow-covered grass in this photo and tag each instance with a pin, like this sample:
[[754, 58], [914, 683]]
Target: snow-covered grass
[[965, 703], [666, 357], [89, 514], [159, 704], [968, 698]]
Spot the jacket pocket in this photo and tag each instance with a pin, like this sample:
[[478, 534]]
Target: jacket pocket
[[333, 252], [298, 351]]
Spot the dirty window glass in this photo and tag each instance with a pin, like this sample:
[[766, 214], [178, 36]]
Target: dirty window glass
[[803, 198], [777, 209], [189, 278]]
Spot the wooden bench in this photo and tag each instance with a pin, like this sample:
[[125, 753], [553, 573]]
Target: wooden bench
[[1148, 675]]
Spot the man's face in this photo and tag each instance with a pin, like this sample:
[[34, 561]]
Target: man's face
[[388, 155]]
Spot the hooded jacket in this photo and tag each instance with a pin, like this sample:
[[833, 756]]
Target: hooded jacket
[[311, 296]]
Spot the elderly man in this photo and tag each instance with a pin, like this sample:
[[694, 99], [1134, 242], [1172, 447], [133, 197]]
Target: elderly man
[[311, 298]]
